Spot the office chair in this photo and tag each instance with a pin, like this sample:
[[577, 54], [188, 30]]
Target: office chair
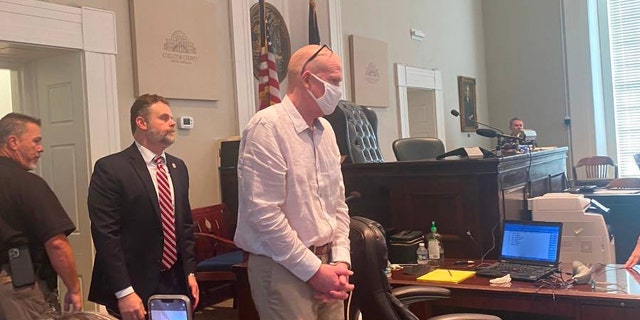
[[595, 170], [355, 127], [417, 148], [373, 296], [215, 255]]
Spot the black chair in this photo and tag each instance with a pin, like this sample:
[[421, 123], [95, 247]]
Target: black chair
[[417, 148], [373, 296], [355, 128]]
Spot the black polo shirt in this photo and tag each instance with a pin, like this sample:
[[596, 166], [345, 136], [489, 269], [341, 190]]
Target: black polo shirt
[[29, 210]]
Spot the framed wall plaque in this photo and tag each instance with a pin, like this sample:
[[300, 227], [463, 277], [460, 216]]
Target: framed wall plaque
[[174, 44], [369, 71]]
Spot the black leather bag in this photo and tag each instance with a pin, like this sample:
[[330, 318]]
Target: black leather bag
[[403, 246]]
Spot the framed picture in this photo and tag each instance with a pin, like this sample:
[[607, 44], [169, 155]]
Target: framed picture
[[467, 100]]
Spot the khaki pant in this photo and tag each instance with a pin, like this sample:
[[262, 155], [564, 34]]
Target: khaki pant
[[22, 303], [278, 294]]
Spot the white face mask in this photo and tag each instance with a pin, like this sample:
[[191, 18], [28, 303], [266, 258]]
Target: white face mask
[[330, 98]]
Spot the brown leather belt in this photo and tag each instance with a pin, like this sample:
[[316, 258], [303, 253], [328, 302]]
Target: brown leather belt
[[321, 250]]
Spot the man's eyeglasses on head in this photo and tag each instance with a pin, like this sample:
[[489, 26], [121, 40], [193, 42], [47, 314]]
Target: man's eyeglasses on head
[[313, 56]]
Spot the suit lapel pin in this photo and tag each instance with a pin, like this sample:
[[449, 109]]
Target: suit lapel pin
[[173, 165]]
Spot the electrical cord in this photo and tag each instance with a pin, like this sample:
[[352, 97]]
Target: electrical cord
[[493, 243]]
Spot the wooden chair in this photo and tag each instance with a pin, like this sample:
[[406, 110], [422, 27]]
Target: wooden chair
[[598, 170], [215, 254]]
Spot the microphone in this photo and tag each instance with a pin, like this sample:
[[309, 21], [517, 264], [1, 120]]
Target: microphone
[[353, 195], [492, 134], [581, 273], [455, 113]]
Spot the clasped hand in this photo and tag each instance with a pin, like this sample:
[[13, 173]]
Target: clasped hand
[[332, 282]]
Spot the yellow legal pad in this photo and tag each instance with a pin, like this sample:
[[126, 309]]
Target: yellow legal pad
[[443, 275]]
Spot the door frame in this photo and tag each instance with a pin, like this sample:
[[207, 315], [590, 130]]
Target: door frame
[[93, 31], [414, 77]]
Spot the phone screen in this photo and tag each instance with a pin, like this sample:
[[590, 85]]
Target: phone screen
[[168, 309]]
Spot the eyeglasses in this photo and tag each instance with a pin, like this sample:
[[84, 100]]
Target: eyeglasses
[[313, 56]]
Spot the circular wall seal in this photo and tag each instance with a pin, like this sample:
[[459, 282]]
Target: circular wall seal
[[278, 34]]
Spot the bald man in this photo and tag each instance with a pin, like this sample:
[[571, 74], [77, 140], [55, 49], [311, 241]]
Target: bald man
[[292, 216]]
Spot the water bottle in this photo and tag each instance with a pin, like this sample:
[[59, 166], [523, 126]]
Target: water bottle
[[387, 270], [435, 248], [422, 254]]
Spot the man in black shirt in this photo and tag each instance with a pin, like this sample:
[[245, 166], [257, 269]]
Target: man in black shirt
[[32, 224]]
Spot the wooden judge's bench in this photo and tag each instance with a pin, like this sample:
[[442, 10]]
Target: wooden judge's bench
[[467, 199]]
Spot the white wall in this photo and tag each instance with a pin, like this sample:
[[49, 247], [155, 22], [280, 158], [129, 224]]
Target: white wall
[[213, 119], [5, 92], [453, 43], [525, 68], [520, 74], [538, 68]]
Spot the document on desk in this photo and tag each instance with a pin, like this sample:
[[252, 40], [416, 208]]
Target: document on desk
[[616, 191], [447, 275]]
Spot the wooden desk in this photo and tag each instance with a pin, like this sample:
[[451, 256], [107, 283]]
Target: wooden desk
[[518, 301], [528, 301], [468, 199]]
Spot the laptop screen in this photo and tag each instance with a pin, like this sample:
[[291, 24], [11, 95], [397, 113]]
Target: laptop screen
[[531, 241]]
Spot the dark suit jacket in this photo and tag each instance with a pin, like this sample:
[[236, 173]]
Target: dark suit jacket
[[126, 227]]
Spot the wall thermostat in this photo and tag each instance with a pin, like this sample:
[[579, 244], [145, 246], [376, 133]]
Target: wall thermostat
[[185, 122]]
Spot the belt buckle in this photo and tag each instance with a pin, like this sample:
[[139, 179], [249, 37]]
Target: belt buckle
[[322, 252]]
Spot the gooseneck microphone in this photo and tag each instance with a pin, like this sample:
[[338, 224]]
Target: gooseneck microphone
[[492, 134], [455, 113]]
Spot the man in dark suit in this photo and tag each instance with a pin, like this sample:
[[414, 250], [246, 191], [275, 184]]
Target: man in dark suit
[[141, 218]]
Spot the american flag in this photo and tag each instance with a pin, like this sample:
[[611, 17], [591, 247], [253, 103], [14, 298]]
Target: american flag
[[268, 85], [314, 33]]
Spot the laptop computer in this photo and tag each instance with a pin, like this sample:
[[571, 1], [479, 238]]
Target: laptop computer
[[530, 250]]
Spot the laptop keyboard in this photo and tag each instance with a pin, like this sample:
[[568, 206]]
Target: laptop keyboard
[[516, 270], [522, 268]]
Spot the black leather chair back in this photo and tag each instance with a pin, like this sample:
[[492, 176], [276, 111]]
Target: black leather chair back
[[417, 148], [372, 295], [355, 127]]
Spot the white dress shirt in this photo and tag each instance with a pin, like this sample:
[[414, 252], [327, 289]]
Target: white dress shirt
[[290, 190]]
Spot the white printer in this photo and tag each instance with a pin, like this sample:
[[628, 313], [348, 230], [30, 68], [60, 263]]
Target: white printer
[[584, 235]]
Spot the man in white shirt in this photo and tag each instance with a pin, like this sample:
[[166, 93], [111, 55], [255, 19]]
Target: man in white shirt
[[292, 217]]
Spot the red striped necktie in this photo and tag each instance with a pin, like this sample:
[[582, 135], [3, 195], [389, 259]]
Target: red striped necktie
[[169, 252]]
